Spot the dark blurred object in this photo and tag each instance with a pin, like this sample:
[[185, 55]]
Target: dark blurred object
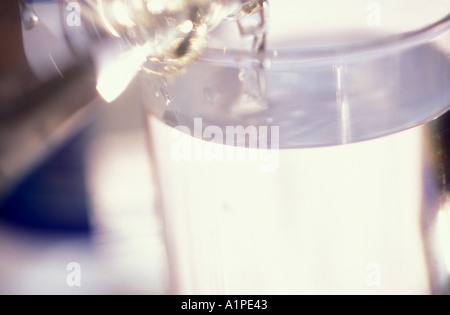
[[36, 117], [41, 149], [15, 74], [53, 196]]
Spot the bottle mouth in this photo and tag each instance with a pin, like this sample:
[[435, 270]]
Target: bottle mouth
[[383, 45]]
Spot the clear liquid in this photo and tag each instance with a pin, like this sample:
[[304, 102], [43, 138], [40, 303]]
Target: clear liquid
[[313, 223], [243, 217], [350, 219], [332, 104]]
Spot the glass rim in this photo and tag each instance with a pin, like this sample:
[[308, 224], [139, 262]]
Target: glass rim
[[326, 53]]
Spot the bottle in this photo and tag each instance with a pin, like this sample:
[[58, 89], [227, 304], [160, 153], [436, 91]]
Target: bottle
[[123, 37]]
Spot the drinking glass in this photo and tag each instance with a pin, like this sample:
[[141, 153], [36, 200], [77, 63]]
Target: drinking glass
[[315, 166]]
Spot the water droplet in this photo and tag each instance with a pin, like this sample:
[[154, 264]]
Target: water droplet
[[210, 95], [166, 96], [270, 120], [242, 75], [267, 63], [29, 18], [162, 92]]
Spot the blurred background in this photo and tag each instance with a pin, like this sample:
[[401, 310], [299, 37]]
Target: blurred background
[[77, 212], [75, 177]]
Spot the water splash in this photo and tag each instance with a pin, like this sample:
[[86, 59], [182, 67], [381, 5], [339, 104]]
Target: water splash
[[253, 31]]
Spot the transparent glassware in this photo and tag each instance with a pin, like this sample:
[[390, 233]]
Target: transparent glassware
[[316, 166]]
